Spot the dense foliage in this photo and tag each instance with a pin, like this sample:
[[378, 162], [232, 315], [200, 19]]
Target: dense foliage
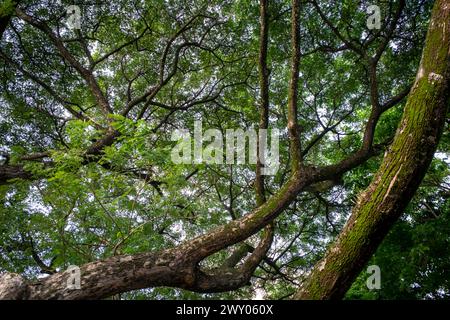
[[192, 60]]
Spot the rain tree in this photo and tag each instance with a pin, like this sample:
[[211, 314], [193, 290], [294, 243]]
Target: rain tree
[[92, 94]]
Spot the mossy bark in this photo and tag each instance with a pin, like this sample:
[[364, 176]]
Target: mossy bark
[[400, 173]]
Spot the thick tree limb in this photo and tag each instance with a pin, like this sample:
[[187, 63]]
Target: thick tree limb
[[123, 273], [9, 172]]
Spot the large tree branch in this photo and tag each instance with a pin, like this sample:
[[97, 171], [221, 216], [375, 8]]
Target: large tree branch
[[9, 172], [123, 273]]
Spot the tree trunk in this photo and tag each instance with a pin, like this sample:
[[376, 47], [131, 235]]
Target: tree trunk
[[400, 173]]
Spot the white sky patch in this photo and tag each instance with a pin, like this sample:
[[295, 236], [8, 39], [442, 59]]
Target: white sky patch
[[35, 202], [179, 229], [259, 294], [443, 156]]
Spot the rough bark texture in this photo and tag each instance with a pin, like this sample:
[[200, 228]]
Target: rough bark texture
[[400, 173], [12, 286], [8, 172]]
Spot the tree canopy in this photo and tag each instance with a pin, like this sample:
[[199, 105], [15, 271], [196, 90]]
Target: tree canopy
[[87, 120]]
